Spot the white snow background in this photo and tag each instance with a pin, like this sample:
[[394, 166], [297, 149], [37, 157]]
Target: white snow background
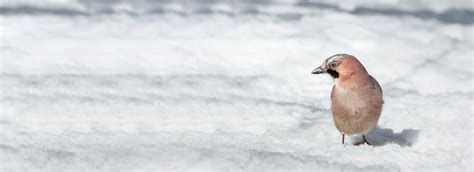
[[226, 86]]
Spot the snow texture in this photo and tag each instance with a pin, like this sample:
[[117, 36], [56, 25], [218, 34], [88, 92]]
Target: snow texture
[[226, 86]]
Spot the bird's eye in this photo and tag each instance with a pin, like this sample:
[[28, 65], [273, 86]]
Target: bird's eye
[[333, 64]]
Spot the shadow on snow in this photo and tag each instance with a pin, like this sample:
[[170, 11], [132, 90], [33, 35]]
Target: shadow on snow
[[382, 136]]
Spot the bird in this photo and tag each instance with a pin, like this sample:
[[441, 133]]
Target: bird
[[356, 97]]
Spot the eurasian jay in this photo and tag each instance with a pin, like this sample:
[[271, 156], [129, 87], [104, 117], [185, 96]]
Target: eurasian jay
[[356, 97]]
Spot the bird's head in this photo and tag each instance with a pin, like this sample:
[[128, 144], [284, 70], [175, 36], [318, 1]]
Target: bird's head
[[340, 65]]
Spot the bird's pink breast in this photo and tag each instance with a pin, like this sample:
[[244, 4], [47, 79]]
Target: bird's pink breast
[[356, 107]]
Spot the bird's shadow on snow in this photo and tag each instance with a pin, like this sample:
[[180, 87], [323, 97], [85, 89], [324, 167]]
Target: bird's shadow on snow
[[382, 136]]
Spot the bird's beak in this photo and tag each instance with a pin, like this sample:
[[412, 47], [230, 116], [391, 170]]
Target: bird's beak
[[318, 70]]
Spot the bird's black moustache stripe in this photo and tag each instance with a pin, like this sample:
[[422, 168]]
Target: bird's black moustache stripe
[[333, 73]]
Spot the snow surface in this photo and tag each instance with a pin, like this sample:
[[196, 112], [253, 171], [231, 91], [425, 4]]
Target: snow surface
[[146, 86]]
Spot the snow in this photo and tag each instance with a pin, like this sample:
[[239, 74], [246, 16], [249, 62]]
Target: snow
[[144, 86]]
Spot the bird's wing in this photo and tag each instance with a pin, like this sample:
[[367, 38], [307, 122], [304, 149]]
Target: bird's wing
[[376, 85]]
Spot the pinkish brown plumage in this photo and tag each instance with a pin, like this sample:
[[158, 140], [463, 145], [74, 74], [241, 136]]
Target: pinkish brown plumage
[[356, 96]]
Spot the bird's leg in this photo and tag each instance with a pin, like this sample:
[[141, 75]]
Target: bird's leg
[[365, 140], [342, 138]]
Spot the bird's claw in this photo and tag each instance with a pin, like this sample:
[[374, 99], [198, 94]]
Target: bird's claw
[[362, 142]]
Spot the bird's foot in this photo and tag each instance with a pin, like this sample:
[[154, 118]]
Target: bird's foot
[[363, 141]]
